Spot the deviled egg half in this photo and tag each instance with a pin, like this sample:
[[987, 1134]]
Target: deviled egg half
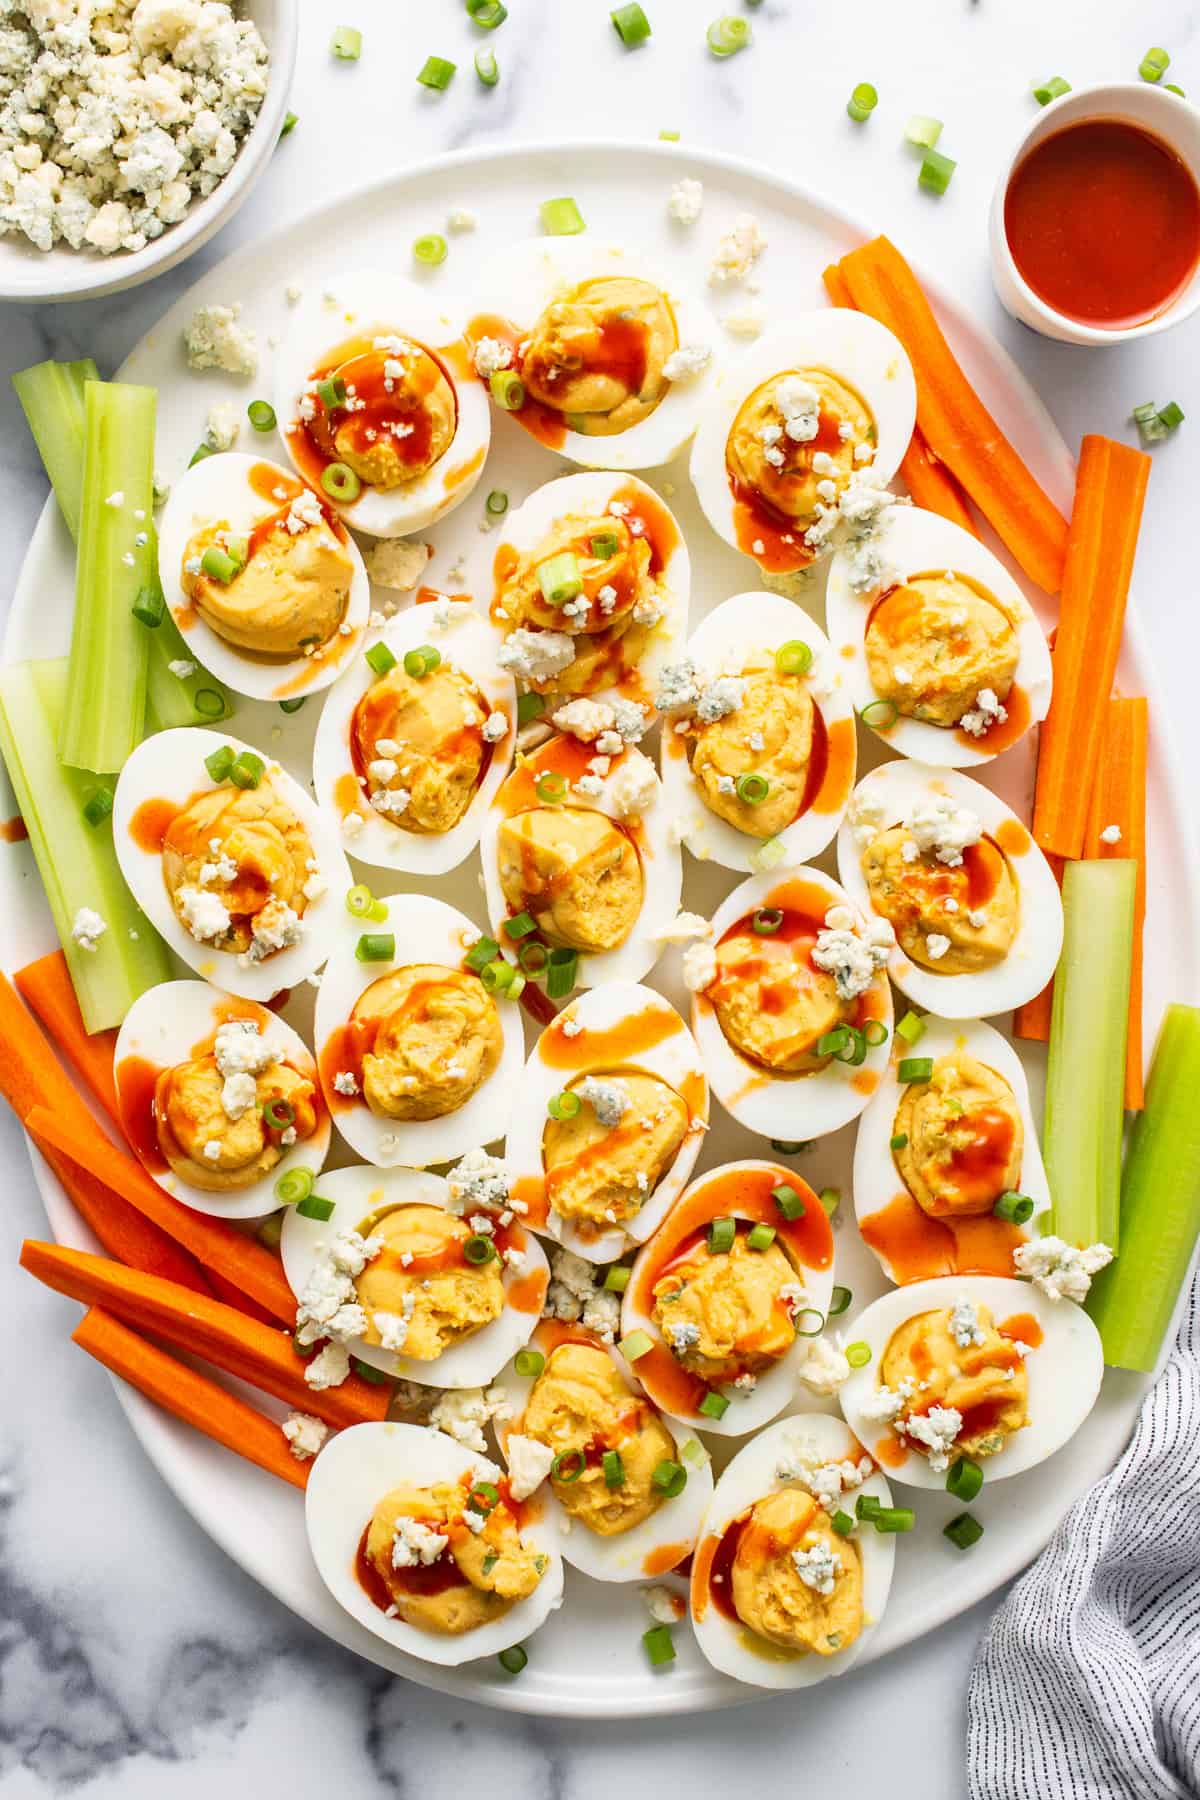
[[416, 738], [626, 1487], [790, 1004], [792, 428], [379, 403], [948, 1175], [591, 582], [580, 872], [593, 351], [217, 1097], [972, 1366], [421, 1541], [262, 577], [724, 1310], [418, 1056], [943, 656], [973, 903], [758, 741], [398, 1278], [781, 1595], [229, 859], [608, 1120]]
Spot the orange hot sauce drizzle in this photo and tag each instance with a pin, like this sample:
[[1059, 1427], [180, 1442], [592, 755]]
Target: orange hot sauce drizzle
[[917, 1247], [1024, 1328], [1002, 735], [136, 1080], [774, 541]]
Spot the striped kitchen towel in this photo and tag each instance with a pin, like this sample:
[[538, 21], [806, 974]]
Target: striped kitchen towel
[[1087, 1685]]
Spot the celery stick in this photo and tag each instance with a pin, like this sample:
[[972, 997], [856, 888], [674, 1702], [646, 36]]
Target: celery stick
[[51, 395], [171, 699], [77, 862], [106, 698], [1133, 1299], [1085, 1074]]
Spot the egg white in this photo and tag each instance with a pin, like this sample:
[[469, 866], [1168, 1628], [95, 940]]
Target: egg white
[[876, 1179], [520, 281], [673, 1059], [785, 1106], [162, 1027], [622, 1557], [352, 1474], [911, 542], [468, 643], [425, 930], [725, 640], [219, 488], [1024, 972], [1064, 1371], [170, 766], [849, 345], [750, 1477], [370, 303], [357, 1193], [776, 1386], [662, 875]]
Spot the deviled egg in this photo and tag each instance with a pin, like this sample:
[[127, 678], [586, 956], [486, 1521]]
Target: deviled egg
[[948, 1175], [262, 577], [608, 1120], [973, 904], [416, 738], [790, 1004], [217, 1097], [626, 1487], [943, 656], [438, 1298], [593, 351], [781, 1596], [591, 582], [579, 865], [759, 740], [970, 1366], [229, 859], [418, 1059], [380, 405], [790, 428], [422, 1542], [724, 1309]]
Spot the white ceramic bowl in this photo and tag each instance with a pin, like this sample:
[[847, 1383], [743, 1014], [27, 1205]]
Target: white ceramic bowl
[[1169, 117], [66, 274]]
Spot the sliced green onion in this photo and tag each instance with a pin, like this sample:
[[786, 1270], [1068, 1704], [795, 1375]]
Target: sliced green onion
[[714, 1406], [668, 137], [788, 1201], [632, 25], [487, 14], [922, 131], [341, 483], [727, 35], [899, 1142], [636, 1345], [761, 1237], [479, 1249], [767, 855], [694, 1454], [1016, 1208], [561, 972], [499, 977], [507, 389], [422, 661], [220, 762], [842, 1523], [793, 658], [313, 1207], [868, 1506], [529, 708], [346, 43], [721, 1235], [965, 1479], [560, 578], [376, 946], [1169, 87], [521, 926], [915, 1068], [880, 715], [98, 805], [290, 122], [659, 1645], [199, 454], [766, 921], [512, 1660], [858, 1355], [364, 1370], [815, 1322], [1156, 423], [604, 545], [833, 1043], [487, 68], [481, 953], [564, 1106], [261, 415], [533, 956], [210, 704], [891, 1519], [551, 787], [616, 1278], [936, 172], [485, 1491], [1171, 415], [362, 904], [963, 1531], [331, 392], [1054, 89], [529, 1363], [614, 1469], [430, 250], [830, 1199], [786, 1146], [293, 1186], [752, 788], [561, 217], [1154, 64], [839, 1300], [911, 1028], [247, 770], [669, 1477], [496, 503], [875, 1032], [278, 1114], [436, 72], [150, 608], [218, 565], [862, 102], [380, 658]]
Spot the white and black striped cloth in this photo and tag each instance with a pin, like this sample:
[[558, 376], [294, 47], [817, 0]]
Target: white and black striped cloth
[[1087, 1685]]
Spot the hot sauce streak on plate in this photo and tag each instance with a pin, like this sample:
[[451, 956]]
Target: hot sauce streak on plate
[[1103, 221], [917, 1247]]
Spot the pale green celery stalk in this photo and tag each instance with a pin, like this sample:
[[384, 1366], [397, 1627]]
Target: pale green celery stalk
[[1133, 1299], [51, 396], [170, 698], [1085, 1074], [77, 862], [106, 696]]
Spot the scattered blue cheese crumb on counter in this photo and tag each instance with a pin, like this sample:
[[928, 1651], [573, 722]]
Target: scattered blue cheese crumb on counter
[[305, 1435], [686, 201], [213, 339], [223, 426]]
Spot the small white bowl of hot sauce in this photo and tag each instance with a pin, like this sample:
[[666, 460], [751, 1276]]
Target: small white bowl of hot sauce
[[1095, 225]]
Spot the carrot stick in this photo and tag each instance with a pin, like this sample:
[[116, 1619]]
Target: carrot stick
[[233, 1296], [261, 1354], [1110, 487], [1032, 1021], [929, 482], [190, 1396], [48, 991], [1119, 798], [954, 422], [216, 1243]]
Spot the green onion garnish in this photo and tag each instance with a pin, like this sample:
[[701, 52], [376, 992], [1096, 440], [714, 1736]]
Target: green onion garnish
[[752, 788], [858, 1355], [362, 904], [659, 1645], [210, 704], [561, 971], [965, 1479], [786, 1146], [551, 787], [1169, 87], [936, 172], [293, 1186], [604, 545], [261, 415], [632, 25], [341, 483], [842, 1523], [1016, 1208], [668, 136], [487, 68], [1154, 64], [813, 1322], [560, 578], [376, 946], [862, 102], [512, 1660], [761, 1237], [496, 503], [218, 565], [788, 1201], [793, 658], [963, 1531], [290, 122], [430, 249], [422, 661], [1156, 423], [614, 1469], [564, 1106], [479, 1249], [346, 43], [637, 1344], [487, 14], [616, 1278], [97, 805], [364, 1370], [880, 715], [915, 1068], [533, 956], [247, 769], [839, 1300], [890, 1519], [875, 1033], [220, 762], [313, 1207], [529, 1363], [694, 1454], [766, 921], [521, 926], [481, 953], [499, 977], [714, 1406], [331, 392], [436, 72], [868, 1506], [728, 35], [199, 453], [899, 1142], [911, 1028], [507, 389], [670, 1478], [561, 218], [922, 131], [150, 607], [721, 1234], [529, 708], [380, 658], [1053, 89], [278, 1114], [485, 1492]]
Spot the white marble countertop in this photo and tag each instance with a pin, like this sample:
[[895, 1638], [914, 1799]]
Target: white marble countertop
[[135, 1660]]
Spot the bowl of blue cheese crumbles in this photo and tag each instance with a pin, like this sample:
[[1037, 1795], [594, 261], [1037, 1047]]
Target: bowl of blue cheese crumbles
[[130, 130]]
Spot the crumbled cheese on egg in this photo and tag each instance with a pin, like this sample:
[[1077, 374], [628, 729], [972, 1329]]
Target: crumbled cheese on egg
[[416, 1545], [609, 1100], [633, 786], [585, 719], [529, 1463], [536, 655], [204, 915], [986, 712], [699, 967], [964, 1324], [939, 825], [491, 355], [462, 1413], [818, 1567]]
